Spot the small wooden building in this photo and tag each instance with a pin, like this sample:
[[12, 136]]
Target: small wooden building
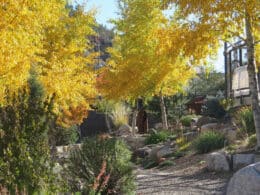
[[96, 123], [194, 105]]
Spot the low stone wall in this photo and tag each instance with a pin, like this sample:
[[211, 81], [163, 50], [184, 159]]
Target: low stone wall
[[220, 161]]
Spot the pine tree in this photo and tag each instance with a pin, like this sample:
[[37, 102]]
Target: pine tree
[[24, 149]]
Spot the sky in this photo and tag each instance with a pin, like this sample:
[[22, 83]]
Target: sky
[[107, 9]]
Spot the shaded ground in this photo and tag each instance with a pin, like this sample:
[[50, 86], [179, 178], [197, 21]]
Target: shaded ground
[[187, 176]]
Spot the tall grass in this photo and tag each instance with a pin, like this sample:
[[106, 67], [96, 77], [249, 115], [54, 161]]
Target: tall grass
[[209, 141], [245, 121], [120, 114]]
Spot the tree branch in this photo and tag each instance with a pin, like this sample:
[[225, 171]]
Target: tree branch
[[236, 35]]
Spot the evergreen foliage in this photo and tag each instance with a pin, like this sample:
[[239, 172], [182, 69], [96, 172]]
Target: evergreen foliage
[[206, 83], [213, 108], [24, 150], [61, 136]]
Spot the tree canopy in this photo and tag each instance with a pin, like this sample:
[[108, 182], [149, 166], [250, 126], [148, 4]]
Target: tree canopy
[[206, 83], [144, 59], [52, 38], [208, 22]]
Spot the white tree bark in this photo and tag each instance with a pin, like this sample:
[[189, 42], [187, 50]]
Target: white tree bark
[[253, 77], [134, 121], [163, 111]]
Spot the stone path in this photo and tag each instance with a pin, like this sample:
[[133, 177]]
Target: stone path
[[187, 178]]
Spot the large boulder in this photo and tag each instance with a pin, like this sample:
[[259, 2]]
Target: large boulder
[[158, 126], [153, 154], [142, 152], [245, 181], [164, 151], [209, 127], [229, 132], [63, 152], [124, 130], [205, 120], [242, 160], [217, 161], [159, 152], [134, 142], [152, 131], [189, 136]]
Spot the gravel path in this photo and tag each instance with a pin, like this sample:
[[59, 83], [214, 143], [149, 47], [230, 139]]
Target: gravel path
[[187, 176]]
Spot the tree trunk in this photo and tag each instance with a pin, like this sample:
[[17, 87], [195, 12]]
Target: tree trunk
[[163, 111], [108, 123], [134, 121], [253, 77]]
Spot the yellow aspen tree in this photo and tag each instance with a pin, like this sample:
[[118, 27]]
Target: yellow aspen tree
[[208, 22], [21, 27], [53, 40], [141, 63], [68, 66]]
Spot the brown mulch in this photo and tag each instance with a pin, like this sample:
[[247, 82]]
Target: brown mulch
[[188, 176]]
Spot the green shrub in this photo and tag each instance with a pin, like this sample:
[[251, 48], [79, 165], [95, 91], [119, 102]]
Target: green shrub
[[186, 121], [105, 106], [156, 138], [61, 136], [209, 141], [245, 120], [24, 150], [213, 108], [148, 164], [102, 166], [166, 163], [178, 154], [252, 141]]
